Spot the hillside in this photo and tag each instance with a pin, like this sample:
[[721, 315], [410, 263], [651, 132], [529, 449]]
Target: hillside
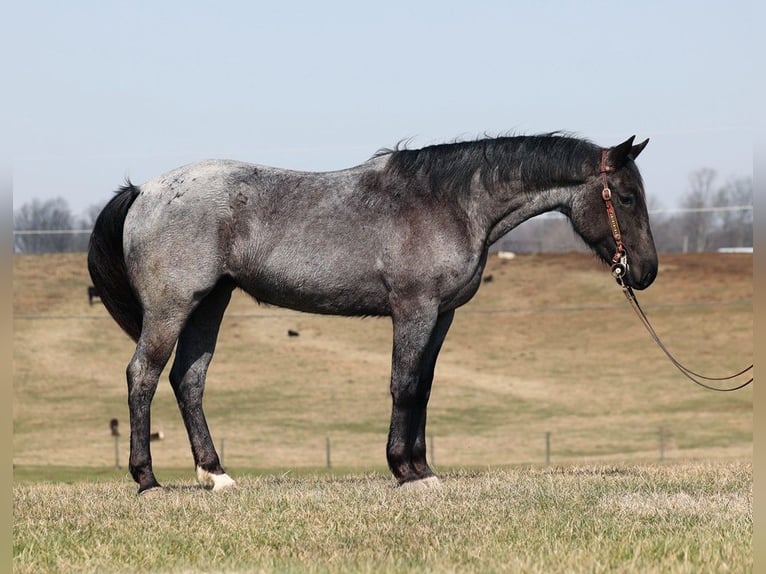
[[548, 346]]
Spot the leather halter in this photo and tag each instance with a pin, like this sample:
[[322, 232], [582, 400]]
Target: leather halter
[[620, 258]]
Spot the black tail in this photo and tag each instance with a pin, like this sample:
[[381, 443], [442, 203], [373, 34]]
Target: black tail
[[106, 262]]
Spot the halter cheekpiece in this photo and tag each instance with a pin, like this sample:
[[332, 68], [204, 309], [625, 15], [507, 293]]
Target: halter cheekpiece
[[620, 259]]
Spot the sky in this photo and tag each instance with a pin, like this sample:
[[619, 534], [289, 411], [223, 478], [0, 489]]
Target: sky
[[100, 91]]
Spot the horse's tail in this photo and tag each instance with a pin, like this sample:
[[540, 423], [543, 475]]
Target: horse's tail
[[106, 263]]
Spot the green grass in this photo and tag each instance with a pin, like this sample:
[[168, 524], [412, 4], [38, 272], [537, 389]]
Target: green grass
[[630, 518]]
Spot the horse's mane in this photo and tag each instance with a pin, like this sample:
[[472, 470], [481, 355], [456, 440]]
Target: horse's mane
[[540, 161]]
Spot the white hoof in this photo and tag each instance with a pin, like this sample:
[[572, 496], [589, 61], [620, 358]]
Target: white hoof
[[422, 484], [215, 482]]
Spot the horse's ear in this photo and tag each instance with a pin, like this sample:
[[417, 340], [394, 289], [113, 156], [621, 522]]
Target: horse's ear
[[619, 154], [637, 149]]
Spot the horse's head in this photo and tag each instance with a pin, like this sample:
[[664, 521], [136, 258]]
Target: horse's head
[[615, 181]]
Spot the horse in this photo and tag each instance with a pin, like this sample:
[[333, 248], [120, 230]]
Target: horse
[[405, 235]]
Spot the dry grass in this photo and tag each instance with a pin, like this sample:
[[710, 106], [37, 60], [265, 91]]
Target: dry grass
[[548, 346], [687, 518]]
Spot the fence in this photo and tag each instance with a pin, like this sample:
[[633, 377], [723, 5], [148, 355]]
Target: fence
[[657, 448], [50, 240]]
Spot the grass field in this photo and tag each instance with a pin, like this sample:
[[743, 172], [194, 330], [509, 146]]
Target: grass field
[[688, 518], [675, 518], [549, 346]]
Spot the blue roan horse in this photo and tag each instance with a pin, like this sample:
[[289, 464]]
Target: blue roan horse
[[404, 235]]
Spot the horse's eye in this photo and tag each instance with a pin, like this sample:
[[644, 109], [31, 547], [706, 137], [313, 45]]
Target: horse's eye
[[626, 200]]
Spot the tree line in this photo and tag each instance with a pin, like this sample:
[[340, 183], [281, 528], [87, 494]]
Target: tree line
[[711, 216], [50, 227]]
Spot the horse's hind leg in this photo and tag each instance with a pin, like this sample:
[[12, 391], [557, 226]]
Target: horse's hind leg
[[187, 377], [158, 336]]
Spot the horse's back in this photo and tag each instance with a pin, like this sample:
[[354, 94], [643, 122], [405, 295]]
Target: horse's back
[[327, 242], [282, 235]]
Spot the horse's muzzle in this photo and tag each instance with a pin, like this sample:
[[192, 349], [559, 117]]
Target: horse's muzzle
[[640, 280]]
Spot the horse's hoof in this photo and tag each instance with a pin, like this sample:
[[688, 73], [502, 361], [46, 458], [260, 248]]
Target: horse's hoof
[[427, 483], [215, 482]]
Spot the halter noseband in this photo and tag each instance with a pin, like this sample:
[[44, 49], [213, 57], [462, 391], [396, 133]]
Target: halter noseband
[[620, 258]]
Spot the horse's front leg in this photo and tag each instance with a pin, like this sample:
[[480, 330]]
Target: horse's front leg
[[428, 364], [417, 340]]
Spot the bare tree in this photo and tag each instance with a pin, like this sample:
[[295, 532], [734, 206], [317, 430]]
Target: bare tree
[[91, 214], [666, 229], [85, 223], [37, 215], [734, 221], [697, 224]]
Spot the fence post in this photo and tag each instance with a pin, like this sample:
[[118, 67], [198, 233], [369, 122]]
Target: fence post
[[547, 448], [662, 444], [114, 427], [432, 451], [327, 448]]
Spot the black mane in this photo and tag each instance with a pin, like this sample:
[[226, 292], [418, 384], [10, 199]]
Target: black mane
[[539, 161]]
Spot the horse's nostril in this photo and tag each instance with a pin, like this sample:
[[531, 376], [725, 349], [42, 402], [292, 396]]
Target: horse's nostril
[[649, 277]]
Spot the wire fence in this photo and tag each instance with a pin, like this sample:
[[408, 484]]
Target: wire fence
[[547, 448]]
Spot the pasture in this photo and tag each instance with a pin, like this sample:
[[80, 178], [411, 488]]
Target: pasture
[[548, 346], [694, 517]]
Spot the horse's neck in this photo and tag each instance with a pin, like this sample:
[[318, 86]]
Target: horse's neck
[[516, 206], [526, 186]]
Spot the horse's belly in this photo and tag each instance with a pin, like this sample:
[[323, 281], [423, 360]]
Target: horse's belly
[[318, 293]]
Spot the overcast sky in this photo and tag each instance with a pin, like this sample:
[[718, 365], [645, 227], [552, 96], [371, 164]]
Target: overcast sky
[[104, 90]]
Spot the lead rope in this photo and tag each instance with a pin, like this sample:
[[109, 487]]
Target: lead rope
[[619, 269], [688, 373]]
